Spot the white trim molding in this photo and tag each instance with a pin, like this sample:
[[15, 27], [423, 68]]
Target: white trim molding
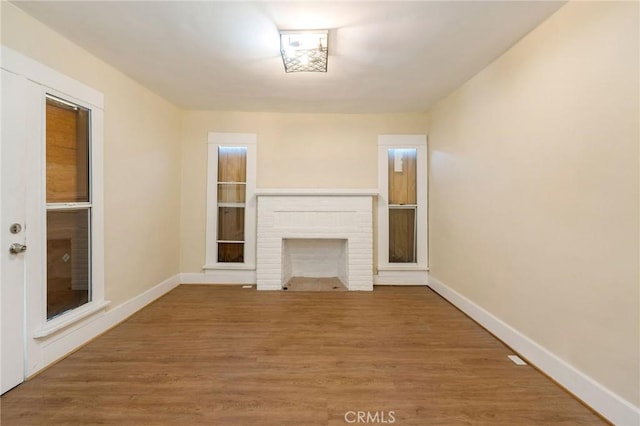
[[74, 316], [610, 405], [62, 343], [316, 191], [20, 64], [220, 276], [400, 277]]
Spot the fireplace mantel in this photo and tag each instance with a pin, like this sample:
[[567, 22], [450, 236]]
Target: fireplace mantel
[[316, 191]]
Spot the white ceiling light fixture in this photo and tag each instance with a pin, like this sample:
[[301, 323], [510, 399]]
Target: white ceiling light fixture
[[304, 50]]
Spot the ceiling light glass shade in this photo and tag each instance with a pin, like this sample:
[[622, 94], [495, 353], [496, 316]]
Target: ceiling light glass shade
[[304, 50]]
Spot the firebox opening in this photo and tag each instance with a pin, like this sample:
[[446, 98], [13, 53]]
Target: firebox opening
[[314, 264]]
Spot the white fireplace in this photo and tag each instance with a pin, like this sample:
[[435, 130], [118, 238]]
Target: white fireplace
[[314, 258], [315, 233]]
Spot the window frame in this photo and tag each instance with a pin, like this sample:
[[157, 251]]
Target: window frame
[[215, 141], [72, 206], [37, 288], [419, 143]]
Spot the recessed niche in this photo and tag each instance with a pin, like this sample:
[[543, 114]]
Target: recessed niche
[[313, 259]]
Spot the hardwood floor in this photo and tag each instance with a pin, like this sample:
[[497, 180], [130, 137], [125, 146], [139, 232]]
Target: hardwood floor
[[206, 355]]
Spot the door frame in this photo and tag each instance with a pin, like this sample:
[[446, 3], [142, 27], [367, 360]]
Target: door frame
[[47, 341]]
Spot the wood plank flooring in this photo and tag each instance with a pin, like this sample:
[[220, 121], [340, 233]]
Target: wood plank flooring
[[218, 355]]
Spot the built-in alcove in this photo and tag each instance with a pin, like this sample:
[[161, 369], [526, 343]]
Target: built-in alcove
[[309, 260]]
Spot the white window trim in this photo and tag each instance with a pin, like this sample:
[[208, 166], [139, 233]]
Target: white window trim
[[41, 74], [97, 302], [419, 143], [215, 141]]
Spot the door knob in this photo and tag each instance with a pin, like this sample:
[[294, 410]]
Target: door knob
[[17, 248]]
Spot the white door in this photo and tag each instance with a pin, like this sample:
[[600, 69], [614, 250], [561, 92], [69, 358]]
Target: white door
[[51, 193], [19, 122]]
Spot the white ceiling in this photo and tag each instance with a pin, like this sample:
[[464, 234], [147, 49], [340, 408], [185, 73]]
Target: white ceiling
[[383, 56]]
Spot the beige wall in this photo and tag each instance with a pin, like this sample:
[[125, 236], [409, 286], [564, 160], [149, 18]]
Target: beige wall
[[294, 151], [141, 145], [534, 190]]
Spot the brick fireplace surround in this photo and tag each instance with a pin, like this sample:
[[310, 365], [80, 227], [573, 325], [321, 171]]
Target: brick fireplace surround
[[314, 215]]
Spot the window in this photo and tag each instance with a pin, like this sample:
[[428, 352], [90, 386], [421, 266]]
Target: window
[[68, 206], [232, 183], [231, 201], [67, 218], [402, 205], [402, 209]]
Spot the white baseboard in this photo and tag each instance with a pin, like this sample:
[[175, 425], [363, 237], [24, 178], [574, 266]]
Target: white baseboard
[[62, 344], [221, 276], [396, 277], [611, 406]]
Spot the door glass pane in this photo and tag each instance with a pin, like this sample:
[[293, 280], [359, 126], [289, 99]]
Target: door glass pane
[[402, 225], [67, 147], [68, 256], [402, 176]]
